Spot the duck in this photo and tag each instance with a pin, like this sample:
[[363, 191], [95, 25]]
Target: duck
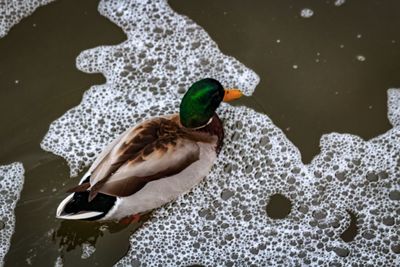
[[153, 162]]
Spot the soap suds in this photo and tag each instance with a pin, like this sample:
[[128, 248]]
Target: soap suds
[[11, 181], [87, 250], [394, 107], [339, 2], [306, 13], [11, 12], [59, 262]]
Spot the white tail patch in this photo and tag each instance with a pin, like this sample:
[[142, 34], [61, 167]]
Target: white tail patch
[[78, 216], [61, 206]]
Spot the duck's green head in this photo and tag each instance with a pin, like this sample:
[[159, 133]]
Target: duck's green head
[[201, 100]]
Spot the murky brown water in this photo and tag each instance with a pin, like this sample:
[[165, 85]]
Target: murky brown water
[[330, 90]]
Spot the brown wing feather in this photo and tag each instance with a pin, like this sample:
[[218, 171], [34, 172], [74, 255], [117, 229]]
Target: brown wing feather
[[132, 184], [128, 147], [123, 170]]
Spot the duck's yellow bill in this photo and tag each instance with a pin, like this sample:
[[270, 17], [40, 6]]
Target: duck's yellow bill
[[232, 94]]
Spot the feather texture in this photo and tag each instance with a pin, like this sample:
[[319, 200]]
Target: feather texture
[[155, 149]]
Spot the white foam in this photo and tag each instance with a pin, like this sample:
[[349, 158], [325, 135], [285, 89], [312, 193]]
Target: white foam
[[306, 13], [394, 107], [11, 12], [361, 58], [223, 221], [87, 250], [339, 2], [59, 262], [11, 181]]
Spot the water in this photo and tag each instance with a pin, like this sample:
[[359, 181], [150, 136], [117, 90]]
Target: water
[[335, 93]]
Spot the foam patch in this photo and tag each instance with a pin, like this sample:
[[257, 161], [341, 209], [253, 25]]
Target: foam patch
[[226, 220], [87, 250], [11, 181], [11, 12], [59, 262], [394, 106]]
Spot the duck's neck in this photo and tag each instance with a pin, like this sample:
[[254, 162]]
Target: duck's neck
[[215, 127]]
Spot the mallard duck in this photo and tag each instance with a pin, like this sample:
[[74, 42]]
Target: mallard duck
[[153, 162]]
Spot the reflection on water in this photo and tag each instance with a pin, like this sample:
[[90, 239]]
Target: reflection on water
[[72, 234]]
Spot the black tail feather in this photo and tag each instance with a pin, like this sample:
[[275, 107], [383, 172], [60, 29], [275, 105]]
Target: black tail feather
[[80, 201]]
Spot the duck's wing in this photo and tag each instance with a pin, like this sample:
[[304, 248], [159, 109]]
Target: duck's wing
[[127, 147], [166, 159], [155, 149]]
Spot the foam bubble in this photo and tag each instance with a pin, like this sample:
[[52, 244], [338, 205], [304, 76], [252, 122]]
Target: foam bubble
[[87, 250], [306, 13], [339, 2], [59, 262], [11, 181], [361, 58], [11, 12], [394, 107]]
